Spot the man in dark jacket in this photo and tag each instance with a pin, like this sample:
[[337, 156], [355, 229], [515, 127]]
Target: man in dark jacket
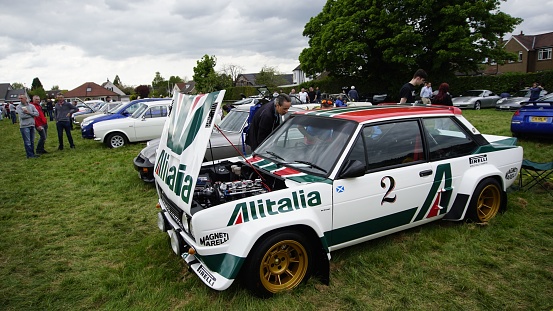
[[267, 118]]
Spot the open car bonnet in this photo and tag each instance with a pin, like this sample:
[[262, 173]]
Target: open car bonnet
[[183, 143]]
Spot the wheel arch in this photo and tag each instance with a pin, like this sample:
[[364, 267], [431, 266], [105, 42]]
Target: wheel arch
[[108, 135], [319, 252]]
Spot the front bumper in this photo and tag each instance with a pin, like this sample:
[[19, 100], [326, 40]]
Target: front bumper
[[144, 167], [194, 262], [88, 132]]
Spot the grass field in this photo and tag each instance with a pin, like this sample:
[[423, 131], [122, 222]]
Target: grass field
[[78, 232]]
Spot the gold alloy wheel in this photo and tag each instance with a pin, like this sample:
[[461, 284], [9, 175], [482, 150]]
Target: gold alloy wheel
[[488, 203], [283, 266]]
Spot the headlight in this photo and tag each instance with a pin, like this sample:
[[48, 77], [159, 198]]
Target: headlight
[[85, 124], [501, 100]]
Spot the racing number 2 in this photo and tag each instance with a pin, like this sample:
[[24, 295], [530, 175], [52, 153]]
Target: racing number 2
[[387, 197]]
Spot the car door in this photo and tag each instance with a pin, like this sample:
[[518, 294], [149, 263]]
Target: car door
[[393, 190], [150, 125]]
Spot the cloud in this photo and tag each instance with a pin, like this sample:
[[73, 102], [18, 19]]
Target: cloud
[[68, 42]]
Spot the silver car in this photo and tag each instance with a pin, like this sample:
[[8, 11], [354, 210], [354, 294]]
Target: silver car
[[513, 102], [226, 141], [476, 99]]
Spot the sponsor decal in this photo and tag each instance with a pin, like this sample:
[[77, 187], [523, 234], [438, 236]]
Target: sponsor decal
[[252, 210], [214, 239], [438, 198], [206, 275], [478, 160], [175, 178], [340, 189], [511, 173]]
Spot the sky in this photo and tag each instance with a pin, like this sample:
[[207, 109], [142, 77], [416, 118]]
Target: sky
[[69, 42]]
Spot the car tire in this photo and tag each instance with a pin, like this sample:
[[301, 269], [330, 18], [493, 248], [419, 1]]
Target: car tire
[[278, 263], [477, 105], [487, 200], [116, 140]]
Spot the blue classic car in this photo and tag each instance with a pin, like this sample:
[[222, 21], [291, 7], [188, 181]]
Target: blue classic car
[[125, 110], [533, 119]]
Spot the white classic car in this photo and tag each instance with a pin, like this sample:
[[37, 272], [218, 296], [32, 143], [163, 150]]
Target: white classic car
[[323, 180], [144, 124]]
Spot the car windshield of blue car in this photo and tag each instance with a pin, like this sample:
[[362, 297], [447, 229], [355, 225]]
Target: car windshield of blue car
[[234, 121], [138, 112], [115, 109], [308, 143]]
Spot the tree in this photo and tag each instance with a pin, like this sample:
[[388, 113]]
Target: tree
[[38, 91], [55, 88], [36, 84], [172, 81], [385, 41], [270, 77], [117, 81], [18, 85], [205, 75], [143, 91], [159, 86], [232, 71]]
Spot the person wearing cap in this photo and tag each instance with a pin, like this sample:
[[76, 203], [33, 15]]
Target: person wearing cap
[[353, 95]]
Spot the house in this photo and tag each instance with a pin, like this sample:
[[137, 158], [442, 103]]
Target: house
[[9, 95], [249, 79], [90, 91], [112, 87], [185, 87], [534, 54]]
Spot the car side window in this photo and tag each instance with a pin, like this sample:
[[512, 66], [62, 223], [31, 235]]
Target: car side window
[[446, 139], [156, 112], [358, 151], [393, 144]]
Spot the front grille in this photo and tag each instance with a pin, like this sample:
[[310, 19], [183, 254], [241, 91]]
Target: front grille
[[175, 212]]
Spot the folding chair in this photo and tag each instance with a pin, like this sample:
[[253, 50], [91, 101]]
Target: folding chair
[[538, 173]]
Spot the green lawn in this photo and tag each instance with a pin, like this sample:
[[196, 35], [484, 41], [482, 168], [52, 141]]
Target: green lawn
[[78, 231]]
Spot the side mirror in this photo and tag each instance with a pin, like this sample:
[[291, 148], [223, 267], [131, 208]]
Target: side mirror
[[352, 168]]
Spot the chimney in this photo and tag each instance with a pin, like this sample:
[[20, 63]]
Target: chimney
[[521, 33]]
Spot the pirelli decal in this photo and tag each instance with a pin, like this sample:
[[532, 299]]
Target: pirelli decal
[[478, 160]]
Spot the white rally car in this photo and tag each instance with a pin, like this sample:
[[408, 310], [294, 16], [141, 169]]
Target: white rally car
[[323, 180]]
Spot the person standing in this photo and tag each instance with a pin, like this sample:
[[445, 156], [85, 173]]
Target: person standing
[[12, 113], [50, 109], [267, 119], [535, 91], [311, 95], [317, 95], [443, 97], [41, 125], [27, 114], [303, 96], [426, 93], [63, 120], [353, 95], [407, 91]]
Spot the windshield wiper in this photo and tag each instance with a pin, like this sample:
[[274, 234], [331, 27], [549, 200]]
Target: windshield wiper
[[274, 155], [311, 164]]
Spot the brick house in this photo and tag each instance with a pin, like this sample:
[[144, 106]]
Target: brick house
[[90, 91], [534, 54]]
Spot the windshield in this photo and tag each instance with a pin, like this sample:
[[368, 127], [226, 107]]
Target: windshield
[[473, 93], [114, 109], [522, 93], [234, 121], [243, 101], [308, 143], [138, 112]]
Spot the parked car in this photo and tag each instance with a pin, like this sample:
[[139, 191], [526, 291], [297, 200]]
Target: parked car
[[513, 102], [123, 111], [534, 118], [476, 99], [87, 105], [322, 181], [86, 112], [104, 108], [144, 124], [223, 142]]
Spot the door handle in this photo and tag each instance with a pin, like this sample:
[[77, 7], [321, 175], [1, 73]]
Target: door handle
[[425, 173]]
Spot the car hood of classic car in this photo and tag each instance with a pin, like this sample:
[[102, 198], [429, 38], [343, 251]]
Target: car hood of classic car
[[182, 145]]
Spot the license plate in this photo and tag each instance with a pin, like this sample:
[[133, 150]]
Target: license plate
[[539, 119]]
